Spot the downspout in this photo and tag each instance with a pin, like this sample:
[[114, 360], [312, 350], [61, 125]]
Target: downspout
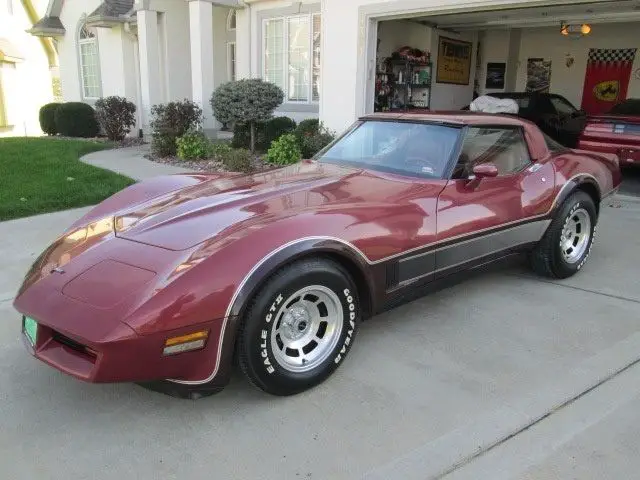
[[47, 43]]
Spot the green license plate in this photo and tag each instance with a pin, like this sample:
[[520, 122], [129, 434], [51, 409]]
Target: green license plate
[[31, 329]]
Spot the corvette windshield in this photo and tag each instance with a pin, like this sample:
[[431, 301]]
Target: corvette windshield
[[407, 148]]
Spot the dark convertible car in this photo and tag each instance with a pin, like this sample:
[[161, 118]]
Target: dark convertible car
[[171, 279], [552, 113]]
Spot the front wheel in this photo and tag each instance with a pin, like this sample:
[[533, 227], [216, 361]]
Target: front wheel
[[567, 243], [299, 327]]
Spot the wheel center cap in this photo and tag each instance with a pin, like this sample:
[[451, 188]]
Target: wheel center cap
[[297, 320]]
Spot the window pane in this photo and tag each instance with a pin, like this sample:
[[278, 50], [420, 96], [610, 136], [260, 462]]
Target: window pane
[[504, 147], [274, 52], [299, 59], [315, 94], [89, 69]]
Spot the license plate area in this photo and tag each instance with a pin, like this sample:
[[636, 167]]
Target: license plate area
[[30, 329]]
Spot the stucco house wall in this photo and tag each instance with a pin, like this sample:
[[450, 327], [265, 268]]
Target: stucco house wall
[[25, 76]]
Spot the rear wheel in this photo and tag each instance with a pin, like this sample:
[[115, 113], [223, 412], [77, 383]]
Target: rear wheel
[[299, 327], [567, 243]]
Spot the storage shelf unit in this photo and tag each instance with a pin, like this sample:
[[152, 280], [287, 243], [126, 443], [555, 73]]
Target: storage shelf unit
[[405, 86]]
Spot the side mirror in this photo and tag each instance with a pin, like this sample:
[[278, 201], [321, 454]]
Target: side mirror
[[484, 170]]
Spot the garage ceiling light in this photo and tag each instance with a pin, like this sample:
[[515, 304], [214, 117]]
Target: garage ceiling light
[[575, 30]]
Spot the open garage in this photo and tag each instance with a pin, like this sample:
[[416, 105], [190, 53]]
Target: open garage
[[553, 49], [583, 53]]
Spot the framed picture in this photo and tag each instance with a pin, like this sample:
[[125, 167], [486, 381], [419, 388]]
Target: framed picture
[[454, 61], [495, 76]]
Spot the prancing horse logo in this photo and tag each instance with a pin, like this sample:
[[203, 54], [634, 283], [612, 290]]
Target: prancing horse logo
[[607, 91]]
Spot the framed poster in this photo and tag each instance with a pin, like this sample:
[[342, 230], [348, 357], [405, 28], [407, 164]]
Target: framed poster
[[495, 76], [454, 61], [538, 75]]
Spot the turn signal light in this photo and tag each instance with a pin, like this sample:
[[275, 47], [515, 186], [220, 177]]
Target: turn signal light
[[185, 343]]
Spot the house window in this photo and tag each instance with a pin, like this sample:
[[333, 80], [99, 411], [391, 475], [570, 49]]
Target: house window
[[291, 47], [231, 20], [231, 61], [89, 64]]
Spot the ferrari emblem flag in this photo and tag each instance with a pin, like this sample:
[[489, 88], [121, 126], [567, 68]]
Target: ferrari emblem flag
[[606, 79]]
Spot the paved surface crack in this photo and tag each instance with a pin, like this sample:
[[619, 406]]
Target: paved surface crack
[[524, 428], [564, 285]]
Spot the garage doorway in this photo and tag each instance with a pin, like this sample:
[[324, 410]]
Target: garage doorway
[[441, 62]]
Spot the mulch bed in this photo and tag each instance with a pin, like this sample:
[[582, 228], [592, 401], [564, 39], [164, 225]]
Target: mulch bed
[[209, 165]]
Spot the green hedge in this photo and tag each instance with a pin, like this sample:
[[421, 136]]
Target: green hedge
[[48, 118], [266, 132], [76, 119]]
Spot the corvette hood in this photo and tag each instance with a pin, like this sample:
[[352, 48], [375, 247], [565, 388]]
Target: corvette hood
[[220, 207]]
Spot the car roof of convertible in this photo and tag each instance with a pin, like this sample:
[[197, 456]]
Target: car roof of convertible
[[456, 117]]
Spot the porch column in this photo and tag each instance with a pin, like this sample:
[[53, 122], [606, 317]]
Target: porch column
[[149, 56], [201, 35]]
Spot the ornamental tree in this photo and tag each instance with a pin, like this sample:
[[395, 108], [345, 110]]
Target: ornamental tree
[[250, 100]]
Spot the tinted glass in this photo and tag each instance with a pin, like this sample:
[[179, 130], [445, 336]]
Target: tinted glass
[[628, 107], [504, 147], [552, 145], [407, 148], [562, 106]]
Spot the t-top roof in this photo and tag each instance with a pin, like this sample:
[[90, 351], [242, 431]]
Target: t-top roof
[[453, 117]]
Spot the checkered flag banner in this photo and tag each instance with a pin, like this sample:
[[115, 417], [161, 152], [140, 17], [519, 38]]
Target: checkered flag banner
[[612, 55]]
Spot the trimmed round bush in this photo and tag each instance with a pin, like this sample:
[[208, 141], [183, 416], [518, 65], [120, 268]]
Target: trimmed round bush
[[307, 127], [250, 101], [76, 119], [48, 118]]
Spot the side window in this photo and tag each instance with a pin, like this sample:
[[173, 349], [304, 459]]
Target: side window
[[506, 148]]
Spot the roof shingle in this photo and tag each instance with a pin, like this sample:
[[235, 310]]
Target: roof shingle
[[112, 8]]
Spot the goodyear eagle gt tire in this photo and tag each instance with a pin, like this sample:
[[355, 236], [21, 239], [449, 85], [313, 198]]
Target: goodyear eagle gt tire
[[299, 327], [567, 243]]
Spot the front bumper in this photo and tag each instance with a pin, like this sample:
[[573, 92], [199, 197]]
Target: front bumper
[[90, 345]]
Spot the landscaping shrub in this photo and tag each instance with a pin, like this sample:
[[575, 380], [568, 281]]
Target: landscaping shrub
[[171, 121], [193, 145], [314, 142], [306, 127], [48, 118], [238, 160], [76, 119], [284, 150], [219, 150], [249, 101], [116, 116], [275, 127], [266, 132]]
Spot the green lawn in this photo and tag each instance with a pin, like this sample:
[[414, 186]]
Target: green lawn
[[41, 175]]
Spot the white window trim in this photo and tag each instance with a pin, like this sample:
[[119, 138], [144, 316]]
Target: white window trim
[[229, 76], [80, 63], [231, 14], [310, 100]]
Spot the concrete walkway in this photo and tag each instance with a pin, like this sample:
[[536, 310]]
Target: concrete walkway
[[130, 161]]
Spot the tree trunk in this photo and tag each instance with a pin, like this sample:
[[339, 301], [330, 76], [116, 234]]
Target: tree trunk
[[253, 137]]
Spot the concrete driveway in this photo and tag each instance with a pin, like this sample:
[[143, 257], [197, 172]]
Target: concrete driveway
[[503, 376]]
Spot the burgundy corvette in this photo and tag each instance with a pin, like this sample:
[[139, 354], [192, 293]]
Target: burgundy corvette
[[172, 281]]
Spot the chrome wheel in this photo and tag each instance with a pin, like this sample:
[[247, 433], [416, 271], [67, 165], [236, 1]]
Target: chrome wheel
[[575, 236], [307, 328]]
